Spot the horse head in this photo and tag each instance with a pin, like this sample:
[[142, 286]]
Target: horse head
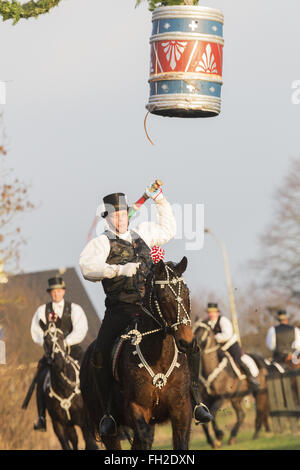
[[169, 300], [54, 344], [204, 335]]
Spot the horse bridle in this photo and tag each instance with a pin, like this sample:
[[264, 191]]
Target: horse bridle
[[159, 380], [135, 335], [52, 331], [170, 283], [206, 335], [65, 403]]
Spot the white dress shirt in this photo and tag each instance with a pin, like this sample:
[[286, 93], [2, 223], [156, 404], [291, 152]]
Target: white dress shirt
[[226, 329], [78, 317], [271, 339], [93, 258]]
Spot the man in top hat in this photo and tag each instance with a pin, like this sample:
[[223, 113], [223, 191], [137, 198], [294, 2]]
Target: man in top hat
[[283, 339], [74, 326], [120, 258], [227, 339]]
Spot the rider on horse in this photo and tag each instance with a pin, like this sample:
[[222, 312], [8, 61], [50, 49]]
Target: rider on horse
[[120, 258], [227, 339], [74, 326], [283, 339]]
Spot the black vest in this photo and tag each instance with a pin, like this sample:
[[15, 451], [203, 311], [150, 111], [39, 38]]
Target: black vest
[[123, 288], [216, 329], [66, 321], [285, 336]]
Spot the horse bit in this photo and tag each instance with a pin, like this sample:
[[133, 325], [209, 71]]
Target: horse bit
[[160, 379], [65, 403]]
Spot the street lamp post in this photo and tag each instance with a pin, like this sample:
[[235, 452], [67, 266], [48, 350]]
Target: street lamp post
[[229, 284]]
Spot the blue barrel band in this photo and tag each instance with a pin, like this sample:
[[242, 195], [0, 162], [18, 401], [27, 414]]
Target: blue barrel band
[[195, 87], [187, 25]]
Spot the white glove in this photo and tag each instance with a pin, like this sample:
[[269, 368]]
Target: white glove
[[128, 269], [156, 195]]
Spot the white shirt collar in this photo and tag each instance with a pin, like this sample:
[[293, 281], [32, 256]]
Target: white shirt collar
[[212, 323], [124, 236], [58, 304]]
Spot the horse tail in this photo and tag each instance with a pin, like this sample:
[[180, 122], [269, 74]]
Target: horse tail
[[89, 392]]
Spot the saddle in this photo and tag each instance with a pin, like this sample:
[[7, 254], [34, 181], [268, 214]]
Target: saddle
[[249, 363], [275, 366]]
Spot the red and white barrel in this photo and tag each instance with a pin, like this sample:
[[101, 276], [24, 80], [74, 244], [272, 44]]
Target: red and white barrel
[[186, 61]]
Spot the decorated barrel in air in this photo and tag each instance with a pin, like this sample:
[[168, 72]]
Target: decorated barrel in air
[[186, 61]]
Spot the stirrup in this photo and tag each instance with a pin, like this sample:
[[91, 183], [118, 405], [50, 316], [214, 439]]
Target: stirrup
[[108, 432], [202, 405]]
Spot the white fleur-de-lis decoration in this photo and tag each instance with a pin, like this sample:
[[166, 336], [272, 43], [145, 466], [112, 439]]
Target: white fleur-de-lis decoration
[[165, 87], [173, 51], [191, 88], [207, 64]]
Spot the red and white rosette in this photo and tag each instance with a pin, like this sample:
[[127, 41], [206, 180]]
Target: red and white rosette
[[52, 317], [157, 254]]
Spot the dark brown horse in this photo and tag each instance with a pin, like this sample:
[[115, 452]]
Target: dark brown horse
[[223, 380], [154, 380], [62, 390]]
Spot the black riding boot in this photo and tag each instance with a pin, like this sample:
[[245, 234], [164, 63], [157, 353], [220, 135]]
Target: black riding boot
[[107, 425], [40, 425], [200, 411], [252, 382]]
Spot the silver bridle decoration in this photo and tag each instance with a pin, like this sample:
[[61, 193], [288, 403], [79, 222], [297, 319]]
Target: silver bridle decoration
[[170, 283], [65, 403], [160, 379]]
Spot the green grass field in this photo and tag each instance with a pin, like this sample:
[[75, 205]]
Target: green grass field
[[267, 441], [244, 441]]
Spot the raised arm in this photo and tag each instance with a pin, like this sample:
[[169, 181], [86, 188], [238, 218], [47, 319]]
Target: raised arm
[[160, 232]]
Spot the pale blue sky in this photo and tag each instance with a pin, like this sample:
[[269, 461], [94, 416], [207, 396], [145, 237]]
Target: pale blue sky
[[75, 110]]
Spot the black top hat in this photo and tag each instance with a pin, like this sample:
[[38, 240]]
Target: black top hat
[[56, 283], [212, 307], [281, 314], [114, 202]]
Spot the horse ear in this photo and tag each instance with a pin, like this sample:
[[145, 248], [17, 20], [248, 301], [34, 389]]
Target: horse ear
[[42, 325], [58, 322], [181, 266]]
